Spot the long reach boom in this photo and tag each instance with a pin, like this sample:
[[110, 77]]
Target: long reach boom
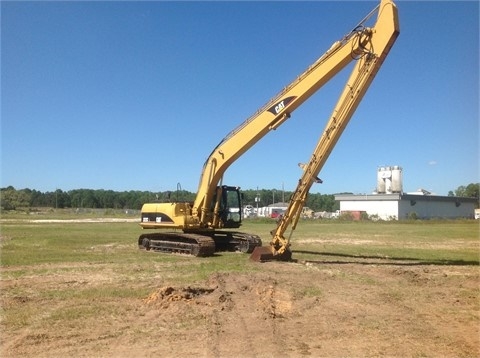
[[369, 47]]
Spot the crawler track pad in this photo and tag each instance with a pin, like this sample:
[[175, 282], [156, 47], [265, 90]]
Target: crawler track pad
[[265, 253]]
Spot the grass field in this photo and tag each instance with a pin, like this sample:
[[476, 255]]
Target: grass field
[[30, 242], [101, 270]]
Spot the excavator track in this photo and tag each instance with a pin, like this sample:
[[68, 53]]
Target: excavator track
[[236, 241], [199, 244], [180, 243]]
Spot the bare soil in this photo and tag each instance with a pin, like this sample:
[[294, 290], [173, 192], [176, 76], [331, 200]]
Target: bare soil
[[354, 309]]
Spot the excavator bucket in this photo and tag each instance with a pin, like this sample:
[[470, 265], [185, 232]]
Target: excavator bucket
[[265, 253]]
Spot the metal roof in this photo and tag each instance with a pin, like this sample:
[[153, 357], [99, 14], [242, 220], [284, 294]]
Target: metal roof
[[399, 196]]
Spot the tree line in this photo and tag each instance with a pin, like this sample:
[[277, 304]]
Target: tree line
[[471, 190], [12, 199]]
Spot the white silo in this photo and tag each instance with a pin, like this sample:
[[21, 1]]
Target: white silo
[[380, 181], [389, 180], [387, 176], [397, 180]]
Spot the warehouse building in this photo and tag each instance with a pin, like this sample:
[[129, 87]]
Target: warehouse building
[[388, 202], [403, 206]]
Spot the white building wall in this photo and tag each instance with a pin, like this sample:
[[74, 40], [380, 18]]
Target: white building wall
[[400, 207], [425, 209], [384, 209], [267, 211]]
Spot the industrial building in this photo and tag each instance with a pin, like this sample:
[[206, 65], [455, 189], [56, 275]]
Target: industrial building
[[271, 211], [389, 202]]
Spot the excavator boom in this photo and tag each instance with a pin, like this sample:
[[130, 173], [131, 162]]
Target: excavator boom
[[360, 44], [375, 43]]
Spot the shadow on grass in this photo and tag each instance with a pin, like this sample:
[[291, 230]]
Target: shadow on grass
[[381, 260]]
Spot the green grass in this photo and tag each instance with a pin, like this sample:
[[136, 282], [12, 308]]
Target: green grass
[[80, 270], [435, 242], [70, 213], [54, 243], [26, 243]]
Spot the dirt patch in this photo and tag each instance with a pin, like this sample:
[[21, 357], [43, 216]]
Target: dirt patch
[[284, 310]]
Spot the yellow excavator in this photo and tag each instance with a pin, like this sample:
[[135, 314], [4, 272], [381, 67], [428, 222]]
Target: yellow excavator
[[201, 227]]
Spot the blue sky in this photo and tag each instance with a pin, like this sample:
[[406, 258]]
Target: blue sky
[[135, 95]]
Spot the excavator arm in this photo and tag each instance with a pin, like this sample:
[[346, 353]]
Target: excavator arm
[[368, 46], [374, 45]]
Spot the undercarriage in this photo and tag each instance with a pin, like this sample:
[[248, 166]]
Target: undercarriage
[[199, 244]]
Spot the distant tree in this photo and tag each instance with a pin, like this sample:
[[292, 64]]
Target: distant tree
[[315, 201], [321, 202], [472, 190], [36, 198], [60, 199], [12, 199]]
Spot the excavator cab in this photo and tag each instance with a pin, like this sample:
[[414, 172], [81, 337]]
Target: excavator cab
[[229, 206]]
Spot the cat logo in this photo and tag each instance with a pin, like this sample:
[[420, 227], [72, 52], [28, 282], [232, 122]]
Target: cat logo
[[280, 106]]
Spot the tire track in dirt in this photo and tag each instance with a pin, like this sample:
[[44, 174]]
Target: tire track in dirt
[[214, 325], [240, 315], [257, 305], [233, 294]]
